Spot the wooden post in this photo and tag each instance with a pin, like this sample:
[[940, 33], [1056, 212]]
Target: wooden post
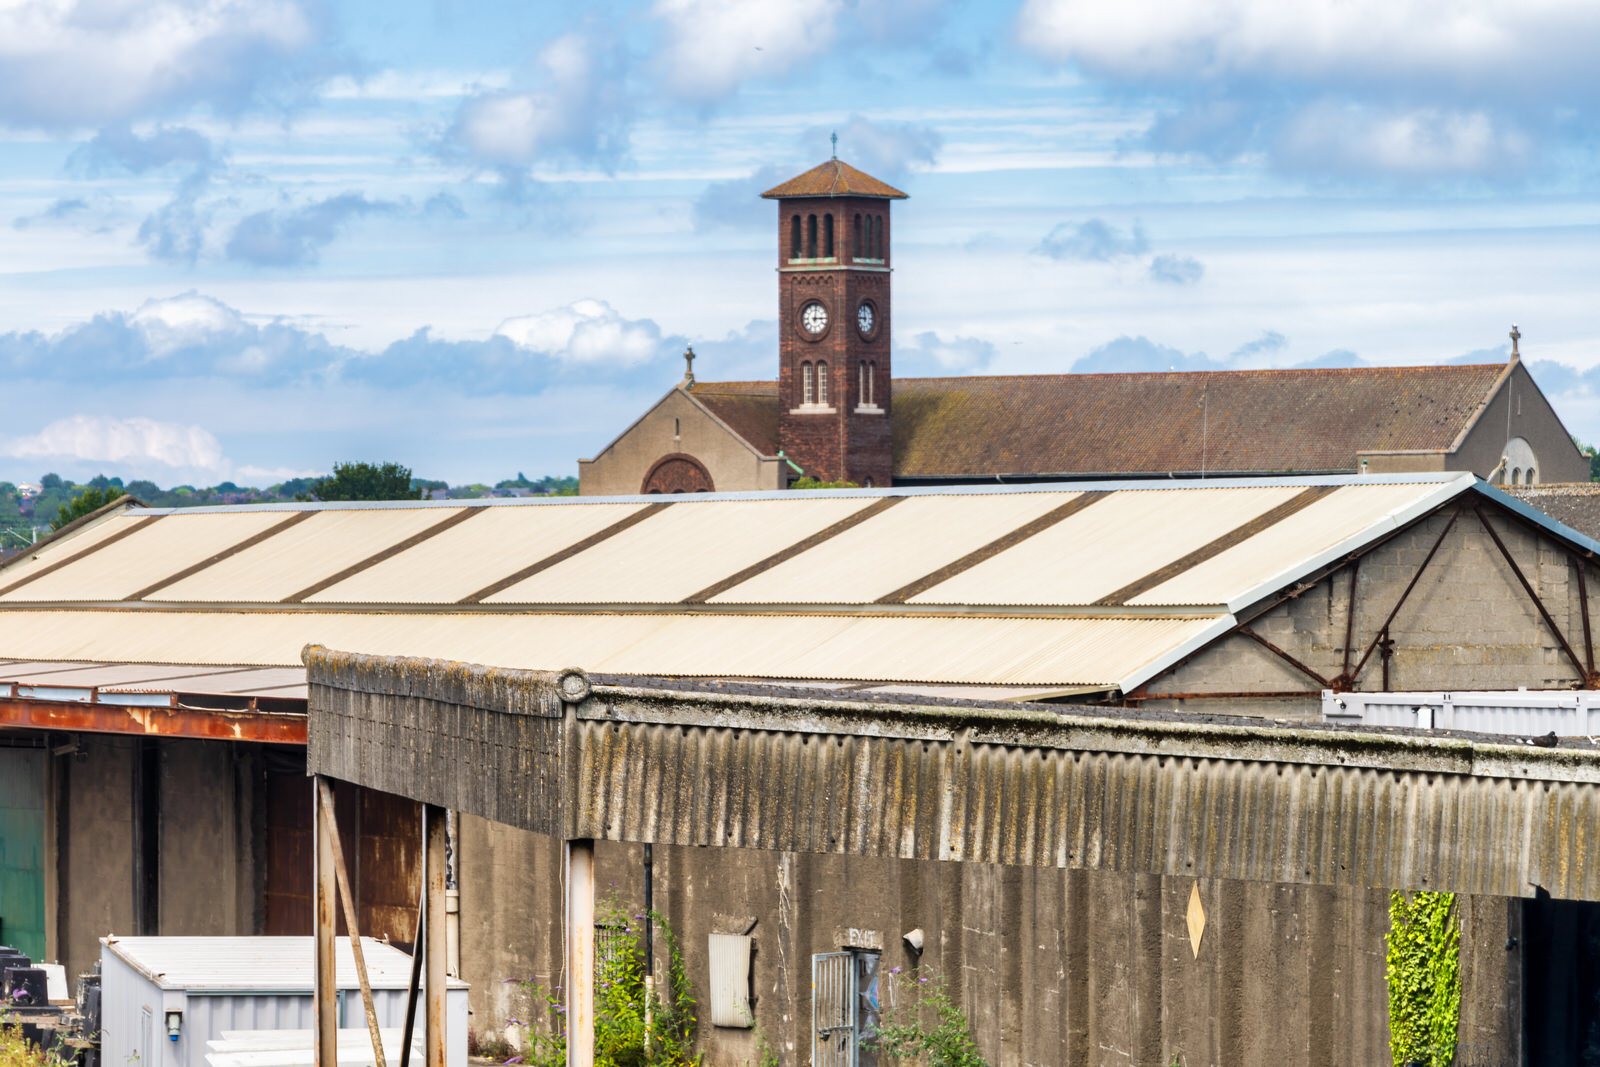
[[352, 921], [580, 953], [434, 950], [326, 1009]]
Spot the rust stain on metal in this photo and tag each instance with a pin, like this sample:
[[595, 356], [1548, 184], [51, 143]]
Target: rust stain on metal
[[280, 728]]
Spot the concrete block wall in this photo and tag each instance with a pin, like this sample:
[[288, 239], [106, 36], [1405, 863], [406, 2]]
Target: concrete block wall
[[1468, 623], [1053, 967]]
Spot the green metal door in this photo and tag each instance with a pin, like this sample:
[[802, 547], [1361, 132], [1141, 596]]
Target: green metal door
[[22, 850]]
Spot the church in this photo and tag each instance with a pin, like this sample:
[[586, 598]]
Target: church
[[835, 411]]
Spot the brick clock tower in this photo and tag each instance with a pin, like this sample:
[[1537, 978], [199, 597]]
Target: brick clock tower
[[833, 323]]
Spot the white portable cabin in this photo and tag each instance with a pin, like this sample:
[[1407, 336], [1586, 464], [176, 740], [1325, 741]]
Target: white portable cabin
[[244, 983], [1519, 712]]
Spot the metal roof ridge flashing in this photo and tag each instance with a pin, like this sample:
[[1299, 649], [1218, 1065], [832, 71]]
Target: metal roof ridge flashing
[[1534, 515]]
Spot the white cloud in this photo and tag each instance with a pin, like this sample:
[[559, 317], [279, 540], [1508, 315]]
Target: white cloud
[[1421, 141], [1469, 42], [183, 321], [64, 62], [712, 46], [577, 109], [588, 331], [137, 447]]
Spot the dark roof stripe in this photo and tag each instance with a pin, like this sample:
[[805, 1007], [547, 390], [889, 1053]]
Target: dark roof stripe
[[993, 548], [1239, 534], [875, 508], [566, 553], [248, 542], [378, 557]]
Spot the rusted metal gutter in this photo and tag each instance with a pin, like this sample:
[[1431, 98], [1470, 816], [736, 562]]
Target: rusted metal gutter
[[95, 716]]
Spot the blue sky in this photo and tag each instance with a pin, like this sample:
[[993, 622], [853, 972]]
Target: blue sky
[[246, 238]]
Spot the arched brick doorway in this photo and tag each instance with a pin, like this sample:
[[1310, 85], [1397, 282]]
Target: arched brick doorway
[[678, 473]]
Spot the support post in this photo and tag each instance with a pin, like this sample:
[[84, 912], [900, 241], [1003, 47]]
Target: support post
[[580, 953], [352, 922], [649, 944], [434, 951], [326, 1008]]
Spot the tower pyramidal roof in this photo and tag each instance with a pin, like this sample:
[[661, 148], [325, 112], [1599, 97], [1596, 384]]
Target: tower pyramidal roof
[[833, 178]]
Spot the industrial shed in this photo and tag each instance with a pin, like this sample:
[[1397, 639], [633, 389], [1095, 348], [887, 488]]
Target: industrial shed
[[1212, 597]]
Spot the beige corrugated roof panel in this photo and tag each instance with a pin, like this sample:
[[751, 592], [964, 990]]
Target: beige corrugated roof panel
[[928, 649], [304, 553], [1283, 547], [915, 537], [29, 564], [1118, 539], [156, 550], [682, 549], [474, 555]]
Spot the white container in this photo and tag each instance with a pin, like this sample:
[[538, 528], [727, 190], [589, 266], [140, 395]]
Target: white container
[[244, 983]]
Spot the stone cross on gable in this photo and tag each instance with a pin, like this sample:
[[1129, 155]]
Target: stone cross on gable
[[688, 365]]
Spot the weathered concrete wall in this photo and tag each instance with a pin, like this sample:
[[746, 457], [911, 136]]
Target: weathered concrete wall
[[1449, 635], [620, 469], [95, 862], [1053, 967], [208, 872]]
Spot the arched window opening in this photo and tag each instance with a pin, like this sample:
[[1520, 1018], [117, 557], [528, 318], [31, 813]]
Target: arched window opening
[[807, 385], [677, 428], [1530, 479], [794, 237], [872, 377], [1516, 475], [862, 388], [827, 237], [856, 249], [811, 237], [822, 383], [877, 237]]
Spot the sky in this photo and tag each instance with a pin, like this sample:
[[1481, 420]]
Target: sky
[[246, 239]]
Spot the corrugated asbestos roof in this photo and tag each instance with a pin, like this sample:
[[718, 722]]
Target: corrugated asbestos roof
[[834, 178], [1094, 584], [1311, 420]]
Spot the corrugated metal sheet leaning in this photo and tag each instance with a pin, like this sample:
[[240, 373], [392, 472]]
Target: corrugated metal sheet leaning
[[1120, 791]]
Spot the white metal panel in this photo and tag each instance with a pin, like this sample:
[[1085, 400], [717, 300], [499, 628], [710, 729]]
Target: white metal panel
[[730, 981], [1107, 545], [306, 553], [890, 550], [1284, 545], [1520, 713], [467, 558], [680, 551], [159, 549]]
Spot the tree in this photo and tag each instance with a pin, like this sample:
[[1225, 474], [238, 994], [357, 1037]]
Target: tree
[[364, 481], [82, 504], [50, 481]]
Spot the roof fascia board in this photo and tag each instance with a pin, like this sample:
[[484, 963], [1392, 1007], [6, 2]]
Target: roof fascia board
[[1458, 484], [1533, 515], [1219, 627]]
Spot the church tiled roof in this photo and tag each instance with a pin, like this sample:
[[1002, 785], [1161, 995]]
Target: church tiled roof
[[749, 408], [1218, 422], [833, 178]]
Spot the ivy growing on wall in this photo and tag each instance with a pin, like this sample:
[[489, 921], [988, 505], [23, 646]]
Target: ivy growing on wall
[[1424, 972]]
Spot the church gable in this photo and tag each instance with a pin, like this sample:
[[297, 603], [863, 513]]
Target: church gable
[[678, 446]]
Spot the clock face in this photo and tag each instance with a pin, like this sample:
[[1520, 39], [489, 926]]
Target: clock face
[[865, 318], [814, 317]]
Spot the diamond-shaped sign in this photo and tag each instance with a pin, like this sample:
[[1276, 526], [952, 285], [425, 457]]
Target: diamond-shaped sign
[[1196, 918]]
